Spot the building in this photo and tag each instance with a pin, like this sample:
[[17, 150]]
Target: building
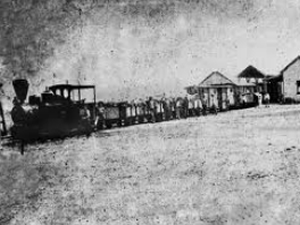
[[285, 87], [216, 89], [252, 80], [290, 81]]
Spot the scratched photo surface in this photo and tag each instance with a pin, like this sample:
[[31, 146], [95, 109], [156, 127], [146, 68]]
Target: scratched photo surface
[[175, 112]]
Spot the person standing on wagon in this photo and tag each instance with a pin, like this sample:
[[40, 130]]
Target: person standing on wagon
[[152, 109]]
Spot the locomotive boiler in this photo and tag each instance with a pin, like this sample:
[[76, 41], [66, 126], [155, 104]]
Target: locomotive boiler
[[60, 111]]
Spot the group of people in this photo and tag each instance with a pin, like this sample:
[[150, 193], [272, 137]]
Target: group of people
[[154, 110], [163, 109], [262, 98], [176, 108]]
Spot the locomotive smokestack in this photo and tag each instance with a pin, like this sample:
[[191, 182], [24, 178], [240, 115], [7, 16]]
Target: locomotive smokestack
[[21, 89]]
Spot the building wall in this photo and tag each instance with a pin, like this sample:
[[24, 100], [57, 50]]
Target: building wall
[[290, 78]]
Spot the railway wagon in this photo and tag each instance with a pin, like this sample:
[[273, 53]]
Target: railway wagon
[[122, 114], [113, 113], [131, 114], [141, 112]]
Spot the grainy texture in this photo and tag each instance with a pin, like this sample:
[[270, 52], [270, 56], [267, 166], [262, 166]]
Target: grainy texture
[[142, 47], [240, 167]]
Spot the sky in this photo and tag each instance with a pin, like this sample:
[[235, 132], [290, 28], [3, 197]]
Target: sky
[[133, 49]]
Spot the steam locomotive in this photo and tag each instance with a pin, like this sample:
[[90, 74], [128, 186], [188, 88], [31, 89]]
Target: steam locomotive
[[60, 111]]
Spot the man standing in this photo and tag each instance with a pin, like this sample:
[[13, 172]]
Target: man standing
[[259, 98], [178, 108], [191, 107], [197, 106], [152, 109], [205, 104], [167, 108], [185, 107], [267, 99], [99, 121]]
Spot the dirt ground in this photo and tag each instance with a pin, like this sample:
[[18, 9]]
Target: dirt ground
[[239, 167]]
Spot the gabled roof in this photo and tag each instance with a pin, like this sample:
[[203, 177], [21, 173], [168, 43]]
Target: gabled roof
[[291, 63], [216, 78], [251, 72]]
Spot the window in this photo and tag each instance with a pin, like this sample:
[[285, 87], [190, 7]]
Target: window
[[298, 86]]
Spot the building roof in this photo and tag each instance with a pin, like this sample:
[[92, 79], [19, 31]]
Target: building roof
[[216, 79], [291, 63], [269, 76], [278, 78], [251, 72]]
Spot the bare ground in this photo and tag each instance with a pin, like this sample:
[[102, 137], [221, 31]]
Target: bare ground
[[239, 167]]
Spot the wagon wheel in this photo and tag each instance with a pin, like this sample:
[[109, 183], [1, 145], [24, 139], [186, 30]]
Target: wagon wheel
[[142, 119], [127, 122], [119, 124]]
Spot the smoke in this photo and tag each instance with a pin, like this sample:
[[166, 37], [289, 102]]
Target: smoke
[[127, 48]]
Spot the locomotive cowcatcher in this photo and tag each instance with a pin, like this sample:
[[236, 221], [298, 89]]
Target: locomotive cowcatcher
[[60, 111]]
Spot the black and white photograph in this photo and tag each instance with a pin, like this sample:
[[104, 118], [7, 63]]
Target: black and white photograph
[[149, 112]]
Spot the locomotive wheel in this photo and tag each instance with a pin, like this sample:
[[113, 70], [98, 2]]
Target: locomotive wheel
[[100, 126]]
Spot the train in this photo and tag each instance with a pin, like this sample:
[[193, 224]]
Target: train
[[61, 111]]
